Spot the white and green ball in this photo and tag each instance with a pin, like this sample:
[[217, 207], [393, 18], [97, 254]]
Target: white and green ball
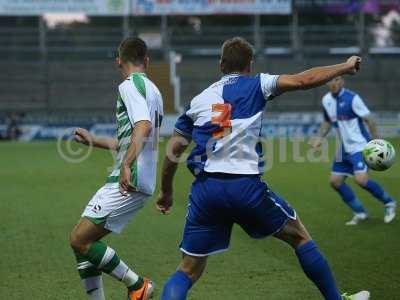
[[379, 155]]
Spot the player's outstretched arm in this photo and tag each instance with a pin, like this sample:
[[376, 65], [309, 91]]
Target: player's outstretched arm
[[85, 137], [318, 76], [373, 130], [324, 129], [177, 144], [140, 134]]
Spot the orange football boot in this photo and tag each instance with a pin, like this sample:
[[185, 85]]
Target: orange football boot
[[144, 293]]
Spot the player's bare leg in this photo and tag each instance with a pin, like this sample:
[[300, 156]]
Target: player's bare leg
[[337, 182], [189, 271], [81, 238], [84, 234], [294, 233], [312, 261], [362, 179], [95, 257]]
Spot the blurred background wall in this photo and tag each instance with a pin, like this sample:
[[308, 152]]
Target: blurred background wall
[[57, 67]]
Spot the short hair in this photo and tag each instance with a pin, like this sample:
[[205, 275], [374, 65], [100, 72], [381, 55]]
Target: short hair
[[237, 54], [133, 50]]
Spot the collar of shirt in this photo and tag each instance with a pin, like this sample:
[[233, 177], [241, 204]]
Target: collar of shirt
[[339, 94], [140, 73], [231, 75]]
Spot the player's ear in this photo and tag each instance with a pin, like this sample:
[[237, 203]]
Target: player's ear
[[146, 62], [118, 62], [250, 67]]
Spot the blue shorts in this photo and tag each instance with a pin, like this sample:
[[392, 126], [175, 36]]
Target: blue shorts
[[348, 164], [216, 204]]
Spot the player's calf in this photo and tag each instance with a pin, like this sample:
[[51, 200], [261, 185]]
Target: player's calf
[[189, 271], [349, 198], [311, 260], [193, 266], [379, 193]]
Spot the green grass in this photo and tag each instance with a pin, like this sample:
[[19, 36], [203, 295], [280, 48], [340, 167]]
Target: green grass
[[42, 197]]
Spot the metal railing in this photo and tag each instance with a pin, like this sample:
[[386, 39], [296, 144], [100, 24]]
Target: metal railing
[[100, 42]]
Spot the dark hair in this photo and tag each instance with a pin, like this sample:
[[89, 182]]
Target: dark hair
[[237, 54], [134, 50]]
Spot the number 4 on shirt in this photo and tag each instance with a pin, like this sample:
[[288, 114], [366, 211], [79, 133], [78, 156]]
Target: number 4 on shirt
[[223, 119]]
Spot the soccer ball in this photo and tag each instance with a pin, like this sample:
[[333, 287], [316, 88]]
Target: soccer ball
[[379, 155]]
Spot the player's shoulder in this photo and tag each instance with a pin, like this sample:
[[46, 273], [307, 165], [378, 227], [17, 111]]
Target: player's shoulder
[[127, 87], [126, 84], [202, 96], [139, 83], [327, 98], [206, 97], [152, 86], [349, 94]]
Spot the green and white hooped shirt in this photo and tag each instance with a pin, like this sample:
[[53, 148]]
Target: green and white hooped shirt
[[138, 100]]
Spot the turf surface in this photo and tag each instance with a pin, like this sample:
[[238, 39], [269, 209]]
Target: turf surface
[[42, 197]]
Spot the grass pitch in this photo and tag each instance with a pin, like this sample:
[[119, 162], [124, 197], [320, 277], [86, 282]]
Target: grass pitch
[[42, 197]]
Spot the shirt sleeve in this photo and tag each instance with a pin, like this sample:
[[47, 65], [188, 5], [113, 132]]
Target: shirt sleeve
[[269, 85], [135, 104], [326, 117], [184, 125], [359, 107]]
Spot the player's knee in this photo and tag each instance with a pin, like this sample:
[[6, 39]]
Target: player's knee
[[300, 238], [361, 180], [77, 244], [335, 182], [193, 268], [294, 233]]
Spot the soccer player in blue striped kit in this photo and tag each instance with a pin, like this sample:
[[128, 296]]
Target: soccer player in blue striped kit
[[347, 113], [224, 122]]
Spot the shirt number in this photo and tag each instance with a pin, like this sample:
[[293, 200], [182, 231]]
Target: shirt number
[[223, 119]]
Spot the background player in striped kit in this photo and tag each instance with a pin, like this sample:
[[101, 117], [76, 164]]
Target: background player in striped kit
[[346, 112], [132, 181]]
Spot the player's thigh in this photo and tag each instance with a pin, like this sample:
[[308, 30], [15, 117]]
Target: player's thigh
[[85, 233], [267, 217], [294, 233], [341, 168], [112, 210], [360, 168], [193, 266], [126, 209], [202, 236], [208, 223]]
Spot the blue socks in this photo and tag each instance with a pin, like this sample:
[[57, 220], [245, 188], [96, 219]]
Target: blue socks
[[176, 287], [313, 263], [317, 270], [350, 198], [377, 191]]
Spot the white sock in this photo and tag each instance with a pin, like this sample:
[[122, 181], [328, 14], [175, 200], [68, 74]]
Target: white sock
[[130, 278], [94, 287], [126, 275]]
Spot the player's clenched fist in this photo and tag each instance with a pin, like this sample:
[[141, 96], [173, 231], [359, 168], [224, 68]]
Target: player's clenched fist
[[354, 63], [125, 185], [316, 143], [83, 136], [164, 202]]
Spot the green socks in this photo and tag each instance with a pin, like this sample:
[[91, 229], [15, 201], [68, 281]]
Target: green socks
[[105, 259]]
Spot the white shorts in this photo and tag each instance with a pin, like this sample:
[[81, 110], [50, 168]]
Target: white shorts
[[111, 209]]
